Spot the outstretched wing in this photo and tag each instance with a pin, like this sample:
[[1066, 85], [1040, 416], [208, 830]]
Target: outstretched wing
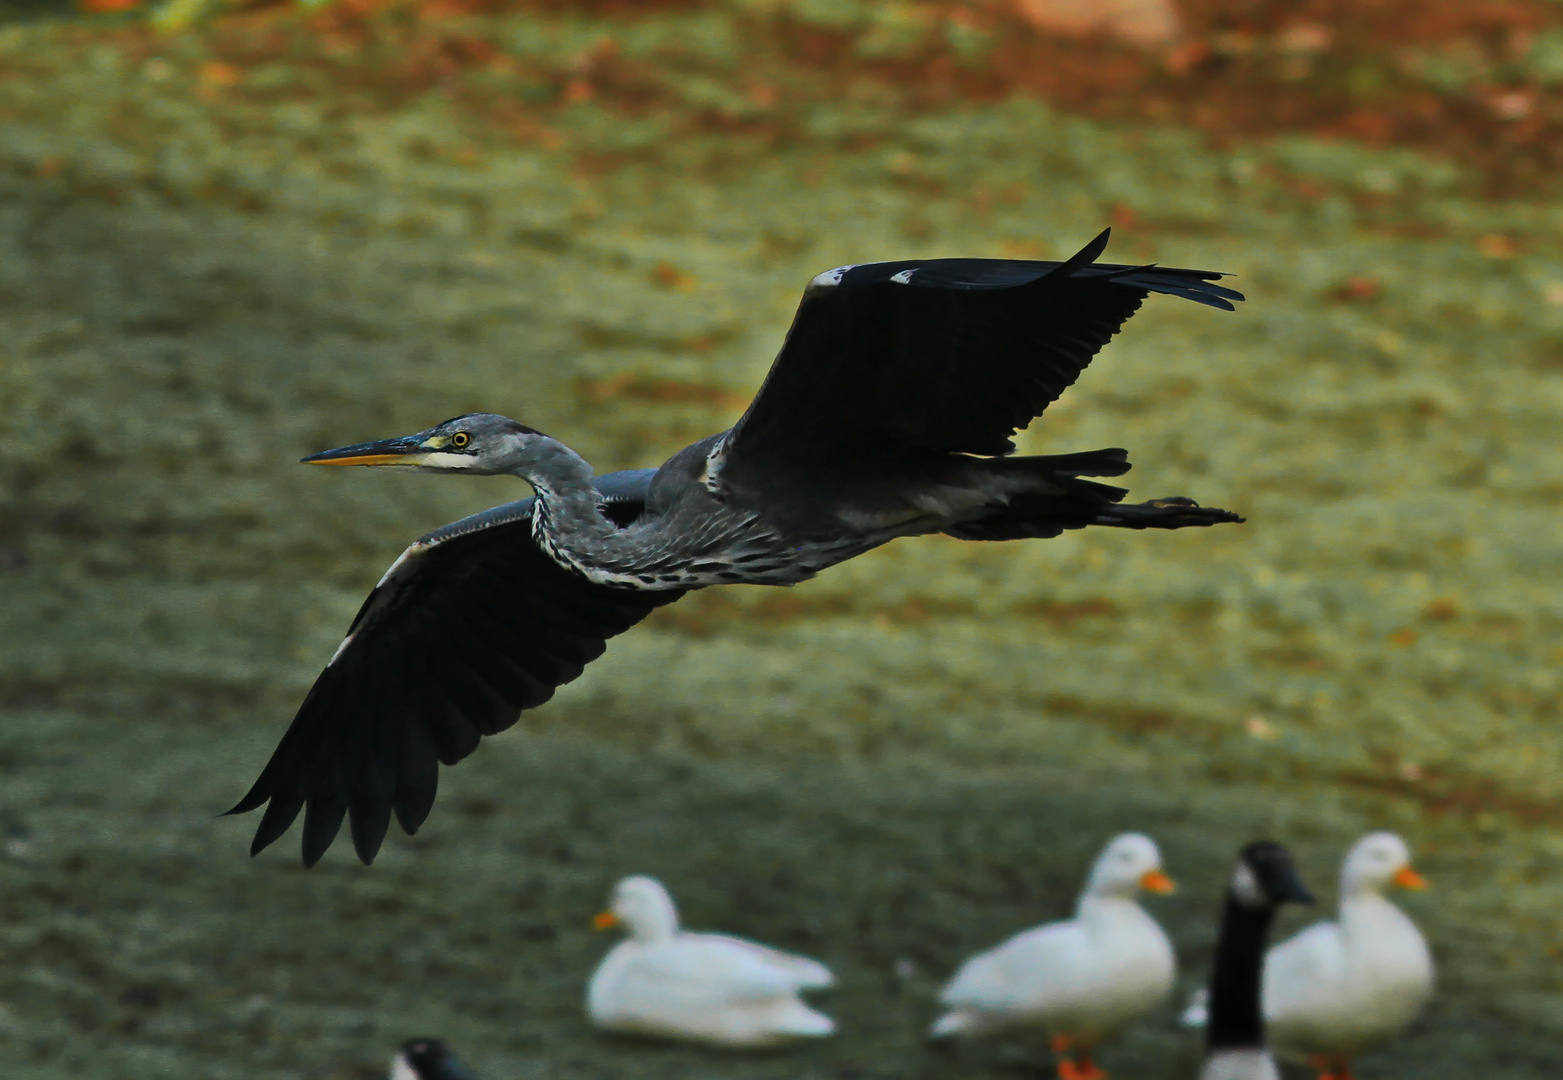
[[951, 355], [469, 627]]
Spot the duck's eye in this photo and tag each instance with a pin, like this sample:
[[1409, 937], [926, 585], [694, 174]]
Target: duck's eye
[[460, 439]]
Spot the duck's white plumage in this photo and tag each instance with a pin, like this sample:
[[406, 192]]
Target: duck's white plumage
[[710, 988], [1081, 978], [1339, 987]]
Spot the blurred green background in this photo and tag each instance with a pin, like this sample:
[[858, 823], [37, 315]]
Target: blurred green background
[[278, 229]]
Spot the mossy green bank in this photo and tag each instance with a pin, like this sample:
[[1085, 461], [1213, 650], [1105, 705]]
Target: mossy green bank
[[904, 760]]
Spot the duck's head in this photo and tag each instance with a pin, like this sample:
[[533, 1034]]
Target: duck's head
[[1266, 877], [1129, 863], [481, 444], [643, 907], [1376, 862]]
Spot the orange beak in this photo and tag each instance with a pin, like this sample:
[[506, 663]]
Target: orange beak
[[363, 459], [404, 450], [1408, 878], [1157, 882], [604, 920]]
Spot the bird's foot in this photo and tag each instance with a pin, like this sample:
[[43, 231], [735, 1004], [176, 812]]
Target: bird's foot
[[1331, 1068], [1080, 1067], [1172, 512]]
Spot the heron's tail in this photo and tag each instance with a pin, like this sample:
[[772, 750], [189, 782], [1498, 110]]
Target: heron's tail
[[1056, 480], [1113, 461], [1173, 512]]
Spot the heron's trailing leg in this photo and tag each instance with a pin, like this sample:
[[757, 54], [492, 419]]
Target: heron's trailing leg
[[1173, 512], [1049, 515]]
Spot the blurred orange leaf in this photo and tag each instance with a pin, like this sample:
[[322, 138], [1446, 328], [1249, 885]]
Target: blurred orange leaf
[[217, 73], [1359, 288], [1498, 246], [671, 277]]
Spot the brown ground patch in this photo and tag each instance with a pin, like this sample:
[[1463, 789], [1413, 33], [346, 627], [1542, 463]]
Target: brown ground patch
[[1458, 79]]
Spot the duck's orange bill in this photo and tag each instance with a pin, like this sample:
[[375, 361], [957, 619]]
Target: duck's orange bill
[[1408, 878], [604, 920], [1157, 882]]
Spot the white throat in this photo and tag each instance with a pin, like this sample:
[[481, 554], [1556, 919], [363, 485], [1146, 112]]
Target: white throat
[[1245, 888]]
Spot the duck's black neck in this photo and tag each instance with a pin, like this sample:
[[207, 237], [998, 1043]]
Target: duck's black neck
[[1236, 1016]]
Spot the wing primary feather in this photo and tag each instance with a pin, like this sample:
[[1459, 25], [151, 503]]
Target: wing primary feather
[[374, 790], [369, 818], [1080, 259], [454, 736], [280, 814], [259, 792], [1190, 285], [291, 751], [340, 756], [322, 820], [1199, 296], [420, 776]]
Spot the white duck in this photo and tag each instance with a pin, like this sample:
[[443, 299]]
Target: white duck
[[1339, 987], [708, 988], [1081, 978]]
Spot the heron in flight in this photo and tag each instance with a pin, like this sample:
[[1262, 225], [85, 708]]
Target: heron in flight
[[889, 412]]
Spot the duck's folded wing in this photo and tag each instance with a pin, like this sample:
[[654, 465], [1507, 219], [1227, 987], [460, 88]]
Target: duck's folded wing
[[469, 627], [949, 355], [1031, 969], [805, 974], [1305, 973], [712, 969]]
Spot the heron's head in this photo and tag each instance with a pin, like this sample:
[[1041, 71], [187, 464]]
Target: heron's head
[[482, 444]]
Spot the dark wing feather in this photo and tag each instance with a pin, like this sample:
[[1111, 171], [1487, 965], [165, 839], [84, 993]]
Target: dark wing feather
[[472, 625], [950, 355]]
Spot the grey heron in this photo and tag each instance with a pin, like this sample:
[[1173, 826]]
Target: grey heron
[[888, 412]]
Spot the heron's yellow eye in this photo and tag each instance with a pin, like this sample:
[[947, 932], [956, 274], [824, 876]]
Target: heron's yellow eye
[[460, 439]]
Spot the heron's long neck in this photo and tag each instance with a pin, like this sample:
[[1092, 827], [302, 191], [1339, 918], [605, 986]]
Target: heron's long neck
[[1236, 1019], [567, 491], [563, 479]]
